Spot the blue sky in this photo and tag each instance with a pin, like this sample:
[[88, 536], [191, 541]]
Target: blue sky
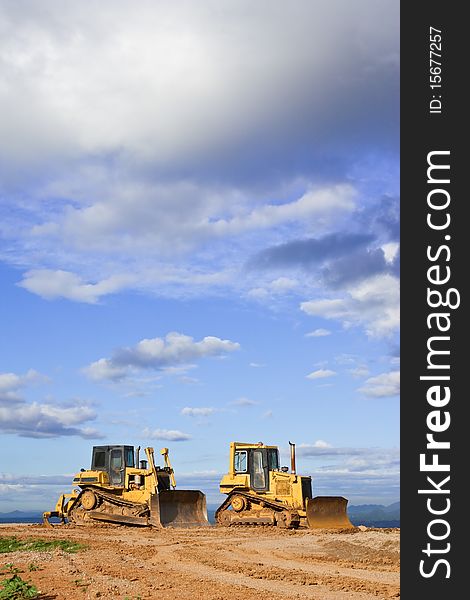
[[199, 238]]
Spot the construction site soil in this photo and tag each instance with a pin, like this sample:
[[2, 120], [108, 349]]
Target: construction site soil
[[210, 563]]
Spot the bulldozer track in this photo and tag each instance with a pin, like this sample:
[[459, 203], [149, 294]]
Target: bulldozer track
[[108, 507], [291, 517]]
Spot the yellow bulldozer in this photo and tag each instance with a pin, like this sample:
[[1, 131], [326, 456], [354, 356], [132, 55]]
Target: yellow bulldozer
[[260, 491], [121, 488]]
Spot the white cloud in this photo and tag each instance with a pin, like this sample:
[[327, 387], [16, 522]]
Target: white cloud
[[75, 59], [197, 411], [169, 354], [321, 374], [360, 371], [359, 474], [40, 420], [114, 194], [322, 201], [255, 365], [390, 251], [383, 385], [104, 369], [170, 435], [352, 458], [283, 284], [244, 402], [10, 383], [321, 444], [258, 293], [373, 304], [168, 220], [47, 421], [318, 333], [51, 285], [29, 480]]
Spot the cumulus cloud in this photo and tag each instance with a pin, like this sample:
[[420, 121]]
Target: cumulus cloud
[[175, 351], [162, 221], [373, 303], [199, 411], [310, 205], [47, 420], [11, 383], [40, 420], [105, 369], [359, 264], [321, 332], [274, 289], [170, 435], [51, 285], [390, 251], [124, 56], [362, 274], [383, 385], [130, 193], [321, 374]]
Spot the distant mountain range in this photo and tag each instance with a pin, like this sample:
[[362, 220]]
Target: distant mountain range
[[21, 516], [375, 515], [370, 515]]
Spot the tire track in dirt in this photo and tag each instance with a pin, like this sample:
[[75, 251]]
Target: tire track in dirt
[[291, 582], [316, 567], [213, 564]]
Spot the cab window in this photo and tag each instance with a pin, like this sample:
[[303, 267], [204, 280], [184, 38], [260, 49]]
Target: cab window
[[129, 457], [100, 458], [116, 460], [259, 479], [241, 462], [273, 459]]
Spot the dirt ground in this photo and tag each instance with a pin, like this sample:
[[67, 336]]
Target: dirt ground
[[213, 563]]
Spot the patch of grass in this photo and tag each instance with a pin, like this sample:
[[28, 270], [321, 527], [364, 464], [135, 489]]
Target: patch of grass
[[13, 544], [16, 588], [81, 582]]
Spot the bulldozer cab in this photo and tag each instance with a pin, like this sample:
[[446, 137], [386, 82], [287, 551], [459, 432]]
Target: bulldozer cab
[[113, 460], [257, 463]]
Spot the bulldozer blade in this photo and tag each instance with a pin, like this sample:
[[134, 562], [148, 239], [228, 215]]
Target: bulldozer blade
[[182, 508], [328, 512]]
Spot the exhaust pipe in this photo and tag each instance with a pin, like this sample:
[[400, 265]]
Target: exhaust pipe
[[137, 456], [292, 458]]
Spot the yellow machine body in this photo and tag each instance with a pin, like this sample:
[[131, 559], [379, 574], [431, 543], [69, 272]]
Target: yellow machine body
[[114, 490], [260, 491]]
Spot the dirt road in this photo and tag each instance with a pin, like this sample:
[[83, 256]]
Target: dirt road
[[211, 563]]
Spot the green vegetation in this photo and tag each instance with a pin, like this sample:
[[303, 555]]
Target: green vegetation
[[12, 544], [15, 588], [81, 582]]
